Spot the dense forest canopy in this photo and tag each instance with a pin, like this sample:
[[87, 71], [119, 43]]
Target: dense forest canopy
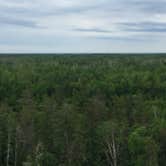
[[82, 110]]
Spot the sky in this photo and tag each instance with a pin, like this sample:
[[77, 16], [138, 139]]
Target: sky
[[82, 26]]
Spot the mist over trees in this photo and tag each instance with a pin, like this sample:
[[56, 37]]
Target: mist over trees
[[82, 110]]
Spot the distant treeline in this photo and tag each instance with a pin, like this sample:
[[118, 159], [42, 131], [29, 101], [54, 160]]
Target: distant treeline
[[82, 110]]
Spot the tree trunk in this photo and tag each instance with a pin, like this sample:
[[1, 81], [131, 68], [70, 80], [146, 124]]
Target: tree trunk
[[15, 152], [8, 149], [112, 151]]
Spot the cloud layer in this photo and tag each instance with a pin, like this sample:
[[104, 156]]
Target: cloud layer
[[82, 25]]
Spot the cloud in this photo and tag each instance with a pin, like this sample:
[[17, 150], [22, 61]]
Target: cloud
[[17, 22], [144, 27], [98, 30], [53, 22], [150, 6]]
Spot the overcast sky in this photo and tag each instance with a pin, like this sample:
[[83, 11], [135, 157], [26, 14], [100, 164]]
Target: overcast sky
[[82, 26]]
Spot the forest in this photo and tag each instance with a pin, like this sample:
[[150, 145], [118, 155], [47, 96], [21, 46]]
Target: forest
[[82, 110]]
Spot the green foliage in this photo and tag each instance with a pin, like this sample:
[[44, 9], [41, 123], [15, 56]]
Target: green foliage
[[143, 148], [74, 110]]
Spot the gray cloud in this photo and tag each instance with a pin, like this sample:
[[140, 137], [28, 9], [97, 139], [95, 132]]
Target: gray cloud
[[39, 10], [144, 27], [98, 30], [17, 22], [123, 39], [150, 6]]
